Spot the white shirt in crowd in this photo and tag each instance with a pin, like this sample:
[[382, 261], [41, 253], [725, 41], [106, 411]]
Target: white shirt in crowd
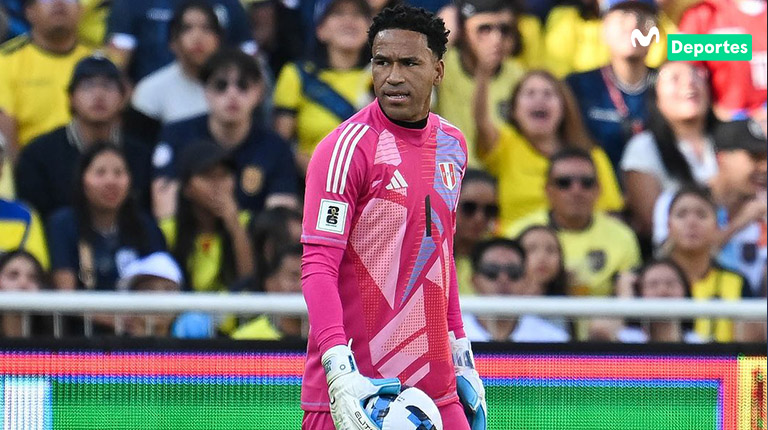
[[168, 95], [642, 155], [529, 328]]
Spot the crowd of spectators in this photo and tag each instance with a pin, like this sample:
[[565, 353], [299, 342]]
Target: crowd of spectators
[[151, 145]]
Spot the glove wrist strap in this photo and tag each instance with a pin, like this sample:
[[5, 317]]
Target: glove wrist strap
[[338, 361]]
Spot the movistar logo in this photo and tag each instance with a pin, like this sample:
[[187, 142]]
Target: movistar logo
[[644, 39]]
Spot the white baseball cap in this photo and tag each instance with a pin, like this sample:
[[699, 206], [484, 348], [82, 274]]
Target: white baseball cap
[[158, 264]]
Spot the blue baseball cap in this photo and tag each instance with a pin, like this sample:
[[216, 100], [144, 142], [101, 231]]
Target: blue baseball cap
[[648, 6], [95, 65]]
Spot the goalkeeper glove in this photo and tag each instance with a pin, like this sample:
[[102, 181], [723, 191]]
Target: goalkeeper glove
[[468, 384], [348, 389]]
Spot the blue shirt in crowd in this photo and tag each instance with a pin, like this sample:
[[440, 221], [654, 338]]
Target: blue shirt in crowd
[[264, 161], [603, 118], [109, 254], [144, 24]]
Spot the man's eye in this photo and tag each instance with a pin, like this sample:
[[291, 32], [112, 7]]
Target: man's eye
[[380, 62]]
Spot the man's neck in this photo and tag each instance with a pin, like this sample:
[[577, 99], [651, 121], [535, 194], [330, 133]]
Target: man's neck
[[571, 223], [229, 135], [341, 59], [205, 220], [629, 71], [60, 44], [90, 132]]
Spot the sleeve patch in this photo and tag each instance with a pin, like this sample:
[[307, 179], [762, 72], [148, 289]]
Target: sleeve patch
[[332, 216]]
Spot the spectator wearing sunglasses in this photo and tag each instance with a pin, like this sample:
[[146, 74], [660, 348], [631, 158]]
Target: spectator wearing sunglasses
[[264, 166], [487, 38], [596, 246], [475, 221], [544, 119], [499, 270]]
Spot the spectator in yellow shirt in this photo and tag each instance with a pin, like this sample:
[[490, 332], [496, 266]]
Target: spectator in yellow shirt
[[575, 36], [313, 97], [488, 37], [544, 119], [20, 227], [35, 71], [596, 247]]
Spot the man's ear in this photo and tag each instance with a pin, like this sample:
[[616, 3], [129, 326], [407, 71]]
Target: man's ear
[[440, 69]]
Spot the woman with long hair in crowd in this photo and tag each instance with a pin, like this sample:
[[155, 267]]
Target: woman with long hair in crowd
[[314, 96], [693, 237], [676, 148], [545, 265], [19, 271], [544, 118], [104, 231]]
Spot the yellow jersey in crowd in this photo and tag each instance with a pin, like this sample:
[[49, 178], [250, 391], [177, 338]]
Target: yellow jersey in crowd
[[521, 172], [21, 228], [455, 95], [594, 255], [313, 120], [574, 44], [718, 284]]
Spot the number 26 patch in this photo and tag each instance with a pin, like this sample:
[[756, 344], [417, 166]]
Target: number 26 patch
[[332, 216]]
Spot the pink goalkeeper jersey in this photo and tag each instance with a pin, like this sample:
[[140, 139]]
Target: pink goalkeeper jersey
[[385, 197]]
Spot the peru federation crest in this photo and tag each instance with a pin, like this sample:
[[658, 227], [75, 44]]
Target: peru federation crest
[[448, 174]]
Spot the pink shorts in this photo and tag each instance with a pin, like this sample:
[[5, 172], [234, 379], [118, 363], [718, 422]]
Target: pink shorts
[[452, 414]]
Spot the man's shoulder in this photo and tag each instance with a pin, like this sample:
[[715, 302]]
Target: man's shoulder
[[160, 78], [581, 80], [610, 227], [539, 217], [48, 144]]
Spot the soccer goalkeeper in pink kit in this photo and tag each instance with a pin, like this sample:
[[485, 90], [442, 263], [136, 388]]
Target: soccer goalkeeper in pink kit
[[378, 273]]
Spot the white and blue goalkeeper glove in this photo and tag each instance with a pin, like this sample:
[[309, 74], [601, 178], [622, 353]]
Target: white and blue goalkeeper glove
[[348, 389], [469, 386]]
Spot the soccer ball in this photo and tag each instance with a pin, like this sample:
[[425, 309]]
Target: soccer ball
[[412, 409]]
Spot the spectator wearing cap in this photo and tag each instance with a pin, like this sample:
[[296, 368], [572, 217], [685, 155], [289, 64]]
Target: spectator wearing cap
[[499, 270], [20, 226], [577, 38], [45, 172], [738, 191], [315, 95], [544, 119], [174, 92], [612, 97], [487, 39], [676, 148], [91, 28], [596, 247], [207, 235], [738, 87], [137, 32], [157, 272], [35, 70], [265, 174]]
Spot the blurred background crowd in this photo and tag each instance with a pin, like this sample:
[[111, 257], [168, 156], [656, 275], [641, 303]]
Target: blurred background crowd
[[161, 145]]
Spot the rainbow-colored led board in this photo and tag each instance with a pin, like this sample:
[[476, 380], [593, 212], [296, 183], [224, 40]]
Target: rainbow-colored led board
[[71, 389]]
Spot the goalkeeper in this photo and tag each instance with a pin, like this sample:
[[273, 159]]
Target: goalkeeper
[[378, 273]]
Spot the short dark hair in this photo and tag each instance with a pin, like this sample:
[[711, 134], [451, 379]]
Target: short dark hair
[[406, 17], [696, 191], [569, 154], [226, 58], [176, 25], [478, 175], [290, 250], [498, 242]]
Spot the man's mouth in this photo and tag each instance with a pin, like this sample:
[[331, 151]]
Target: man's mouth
[[396, 95]]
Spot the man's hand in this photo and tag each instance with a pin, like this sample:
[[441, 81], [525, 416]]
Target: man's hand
[[468, 384], [348, 389]]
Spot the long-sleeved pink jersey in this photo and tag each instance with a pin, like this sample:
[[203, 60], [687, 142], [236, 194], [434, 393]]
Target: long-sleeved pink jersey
[[379, 219]]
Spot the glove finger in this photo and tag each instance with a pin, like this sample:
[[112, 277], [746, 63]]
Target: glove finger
[[386, 386], [467, 394]]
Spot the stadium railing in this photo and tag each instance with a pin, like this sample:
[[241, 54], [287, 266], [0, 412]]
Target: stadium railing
[[84, 303]]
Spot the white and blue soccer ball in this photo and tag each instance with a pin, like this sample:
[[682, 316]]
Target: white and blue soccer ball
[[412, 409]]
